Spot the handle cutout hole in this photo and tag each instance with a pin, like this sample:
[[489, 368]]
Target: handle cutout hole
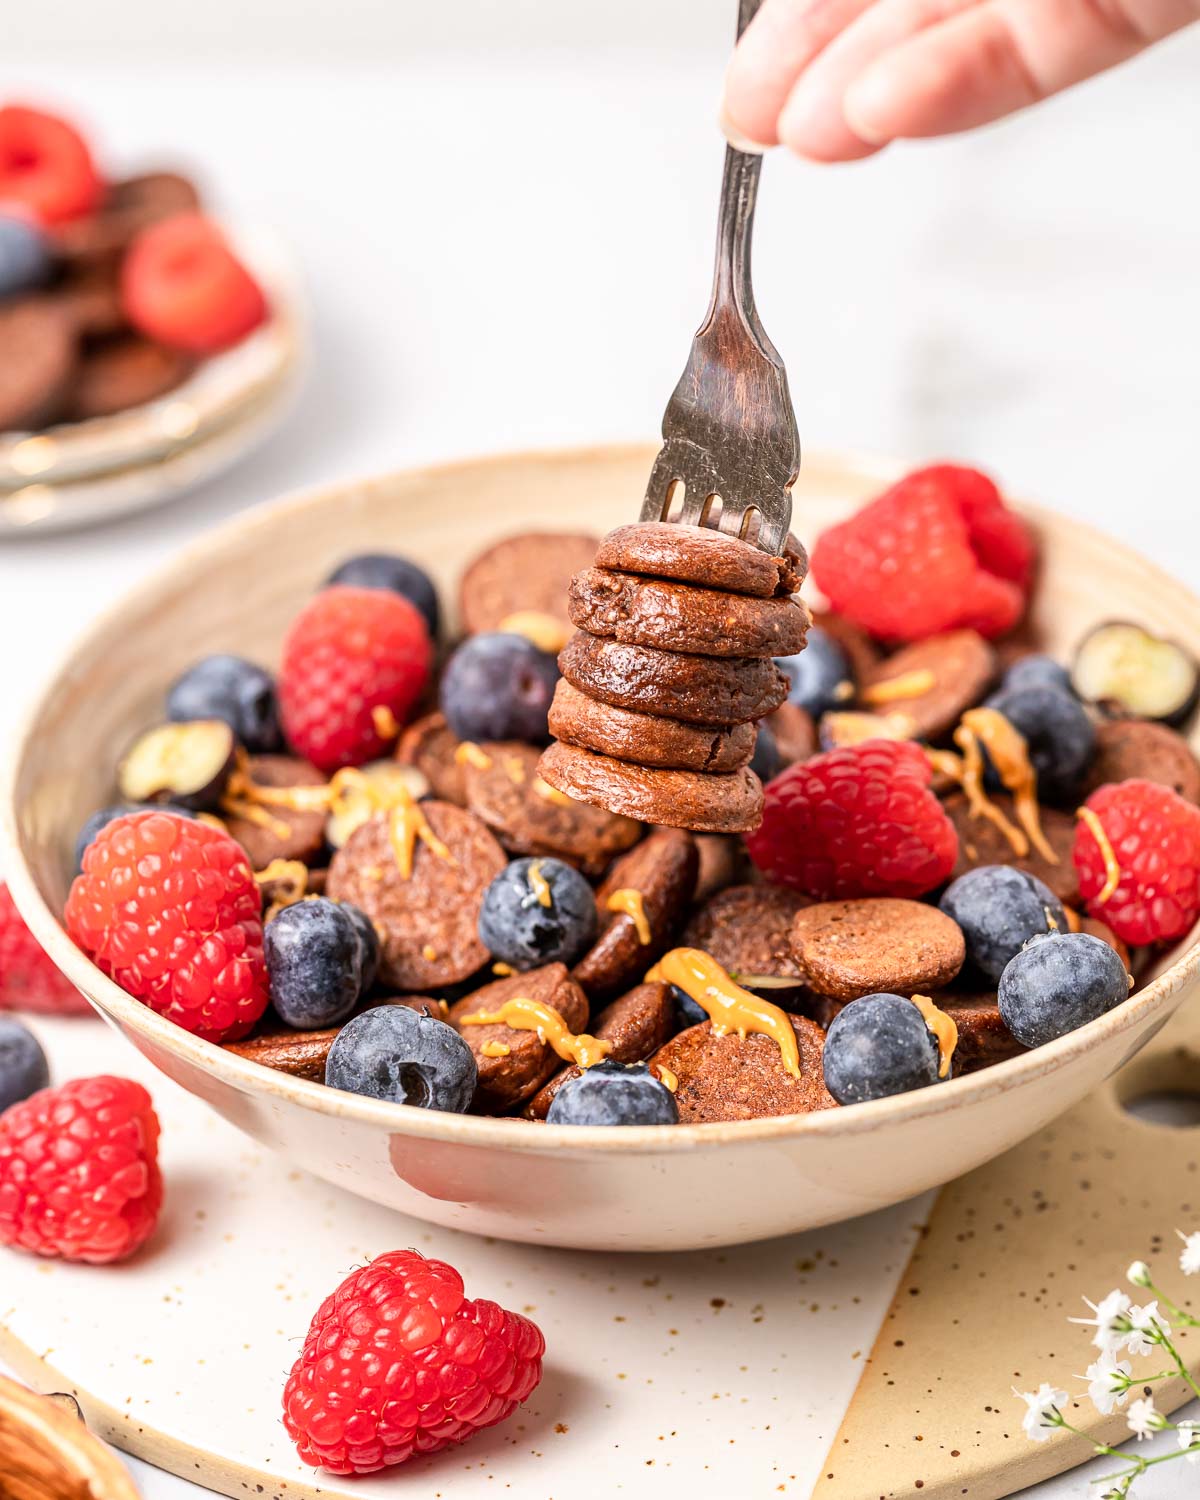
[[1175, 1108]]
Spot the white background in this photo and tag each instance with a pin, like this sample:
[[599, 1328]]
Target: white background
[[504, 214]]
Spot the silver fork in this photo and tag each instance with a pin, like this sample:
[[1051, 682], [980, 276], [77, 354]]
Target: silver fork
[[730, 438]]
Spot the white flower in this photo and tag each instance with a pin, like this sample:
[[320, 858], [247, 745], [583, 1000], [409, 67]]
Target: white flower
[[1146, 1329], [1109, 1387], [1110, 1322], [1188, 1434], [1042, 1410], [1138, 1273], [1143, 1418], [1189, 1256]]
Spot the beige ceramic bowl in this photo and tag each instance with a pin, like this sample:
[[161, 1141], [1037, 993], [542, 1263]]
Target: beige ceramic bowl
[[640, 1188]]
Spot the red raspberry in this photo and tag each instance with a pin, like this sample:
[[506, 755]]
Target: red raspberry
[[860, 821], [399, 1362], [28, 978], [1155, 836], [353, 661], [182, 285], [168, 907], [45, 165], [936, 551], [79, 1174]]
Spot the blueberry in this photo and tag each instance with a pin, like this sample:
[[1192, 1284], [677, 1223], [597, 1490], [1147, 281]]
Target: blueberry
[[1058, 983], [1038, 671], [613, 1093], [393, 1053], [820, 675], [765, 761], [690, 1013], [314, 963], [25, 261], [517, 928], [384, 570], [232, 689], [877, 1046], [104, 817], [999, 909], [369, 940], [1059, 734], [23, 1067], [498, 686]]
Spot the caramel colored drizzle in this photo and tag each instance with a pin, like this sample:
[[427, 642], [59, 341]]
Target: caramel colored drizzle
[[291, 876], [514, 769], [985, 728], [469, 754], [524, 1014], [503, 969], [550, 793], [406, 825], [385, 722], [1112, 868], [665, 1076], [944, 1029], [632, 904], [546, 633], [429, 953], [730, 1007], [539, 885], [908, 685], [1074, 922], [495, 1049]]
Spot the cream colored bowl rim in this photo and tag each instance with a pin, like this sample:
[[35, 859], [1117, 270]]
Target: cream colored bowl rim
[[481, 1130]]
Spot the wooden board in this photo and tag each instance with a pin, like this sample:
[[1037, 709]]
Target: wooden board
[[1008, 1254]]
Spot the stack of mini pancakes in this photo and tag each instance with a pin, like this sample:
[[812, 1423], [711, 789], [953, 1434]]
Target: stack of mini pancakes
[[668, 671]]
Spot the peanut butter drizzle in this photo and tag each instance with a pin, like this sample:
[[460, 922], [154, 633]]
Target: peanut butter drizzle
[[631, 904], [539, 885], [503, 969], [406, 824], [495, 1049], [546, 633], [730, 1007], [908, 685], [1112, 868], [550, 793], [985, 728], [944, 1029], [514, 769], [665, 1076], [429, 953], [385, 722], [469, 754], [524, 1014], [1074, 922]]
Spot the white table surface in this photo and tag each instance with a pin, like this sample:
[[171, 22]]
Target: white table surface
[[512, 250]]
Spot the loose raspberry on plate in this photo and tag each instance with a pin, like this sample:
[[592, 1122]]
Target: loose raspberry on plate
[[859, 821], [936, 551], [28, 977], [167, 906], [398, 1361], [1154, 837], [182, 285], [355, 662], [45, 165], [79, 1174]]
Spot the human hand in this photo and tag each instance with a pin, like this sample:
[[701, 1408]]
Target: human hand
[[836, 80]]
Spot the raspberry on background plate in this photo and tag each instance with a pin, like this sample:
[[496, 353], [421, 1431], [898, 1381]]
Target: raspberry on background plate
[[46, 166], [858, 821], [168, 907], [399, 1361], [79, 1176], [29, 979]]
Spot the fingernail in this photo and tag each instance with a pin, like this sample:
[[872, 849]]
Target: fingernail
[[736, 139]]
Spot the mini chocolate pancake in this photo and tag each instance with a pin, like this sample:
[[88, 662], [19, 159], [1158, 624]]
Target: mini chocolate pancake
[[748, 930], [431, 745], [698, 689], [662, 870], [980, 842], [91, 296], [795, 733], [38, 359], [1139, 748], [698, 554], [637, 1024], [723, 862], [743, 1078], [529, 572], [124, 372], [427, 921], [283, 832], [862, 652], [881, 945], [681, 617], [983, 1038], [129, 206], [646, 739], [731, 803], [932, 682], [529, 817], [508, 1077]]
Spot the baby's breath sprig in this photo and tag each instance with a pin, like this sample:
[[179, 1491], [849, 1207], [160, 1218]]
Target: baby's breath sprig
[[1124, 1327]]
